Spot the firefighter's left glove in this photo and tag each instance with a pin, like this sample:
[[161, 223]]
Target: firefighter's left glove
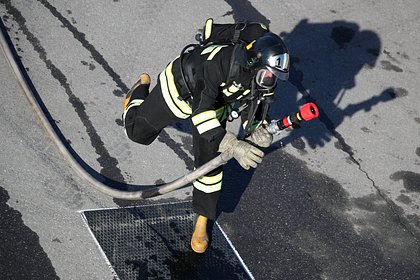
[[246, 154], [261, 137]]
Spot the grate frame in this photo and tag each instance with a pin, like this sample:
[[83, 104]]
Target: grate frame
[[153, 242]]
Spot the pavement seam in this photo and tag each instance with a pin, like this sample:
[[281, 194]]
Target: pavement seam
[[323, 117]]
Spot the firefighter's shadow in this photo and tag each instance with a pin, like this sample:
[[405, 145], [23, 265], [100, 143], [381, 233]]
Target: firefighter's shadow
[[325, 60]]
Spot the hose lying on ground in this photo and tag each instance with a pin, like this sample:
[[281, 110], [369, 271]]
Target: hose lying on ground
[[98, 181]]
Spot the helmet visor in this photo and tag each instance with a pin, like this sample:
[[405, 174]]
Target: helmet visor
[[279, 65], [265, 78]]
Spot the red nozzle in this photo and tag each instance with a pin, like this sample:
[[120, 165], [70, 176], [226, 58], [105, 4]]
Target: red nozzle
[[309, 111]]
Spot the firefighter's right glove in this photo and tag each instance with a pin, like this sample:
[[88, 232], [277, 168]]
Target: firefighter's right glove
[[246, 154], [261, 137]]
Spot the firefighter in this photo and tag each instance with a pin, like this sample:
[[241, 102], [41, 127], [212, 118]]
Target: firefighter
[[213, 79]]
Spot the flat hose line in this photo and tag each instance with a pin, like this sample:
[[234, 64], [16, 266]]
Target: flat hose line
[[98, 181]]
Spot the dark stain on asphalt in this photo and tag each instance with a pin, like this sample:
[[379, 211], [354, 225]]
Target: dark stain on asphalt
[[396, 92], [107, 162], [119, 122], [415, 219], [81, 37], [390, 67], [390, 57], [411, 180], [21, 254], [187, 143], [342, 35], [418, 151], [165, 138], [118, 93], [365, 129], [401, 92], [404, 199], [306, 226], [417, 120], [90, 65], [298, 143]]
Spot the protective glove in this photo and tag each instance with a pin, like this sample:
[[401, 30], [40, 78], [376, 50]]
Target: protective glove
[[246, 154], [261, 137]]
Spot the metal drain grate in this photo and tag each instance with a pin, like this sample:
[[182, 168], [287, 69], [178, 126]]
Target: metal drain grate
[[153, 242]]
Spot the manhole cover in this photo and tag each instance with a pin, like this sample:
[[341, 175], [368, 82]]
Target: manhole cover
[[153, 242]]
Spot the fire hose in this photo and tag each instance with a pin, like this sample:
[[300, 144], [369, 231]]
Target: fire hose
[[308, 112]]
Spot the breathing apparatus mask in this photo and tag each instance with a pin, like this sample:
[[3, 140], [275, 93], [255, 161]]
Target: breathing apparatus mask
[[268, 58]]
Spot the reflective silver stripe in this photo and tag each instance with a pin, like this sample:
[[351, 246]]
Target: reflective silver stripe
[[209, 49], [263, 26], [208, 125], [213, 53], [203, 116], [170, 93], [213, 50], [133, 103]]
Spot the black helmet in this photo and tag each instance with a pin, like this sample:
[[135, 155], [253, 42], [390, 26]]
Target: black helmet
[[269, 56]]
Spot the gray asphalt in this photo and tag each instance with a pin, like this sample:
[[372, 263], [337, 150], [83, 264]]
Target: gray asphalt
[[337, 199]]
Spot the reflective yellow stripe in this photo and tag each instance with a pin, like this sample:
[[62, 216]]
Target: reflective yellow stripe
[[249, 46], [207, 188], [166, 95], [208, 125], [170, 94], [203, 116], [243, 94], [244, 124], [213, 53], [226, 92], [268, 94], [211, 180], [220, 112], [174, 91], [208, 28], [233, 88], [133, 103]]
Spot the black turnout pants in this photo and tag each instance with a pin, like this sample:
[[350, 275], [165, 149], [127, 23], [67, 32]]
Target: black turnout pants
[[145, 122]]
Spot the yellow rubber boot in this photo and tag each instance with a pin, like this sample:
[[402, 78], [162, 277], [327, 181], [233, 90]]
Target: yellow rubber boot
[[144, 79], [200, 239]]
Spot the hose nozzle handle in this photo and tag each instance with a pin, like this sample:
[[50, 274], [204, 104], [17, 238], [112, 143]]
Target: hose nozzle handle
[[309, 111]]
